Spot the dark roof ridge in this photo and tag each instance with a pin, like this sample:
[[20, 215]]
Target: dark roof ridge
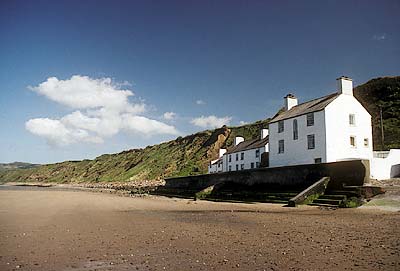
[[248, 145], [310, 106], [325, 96]]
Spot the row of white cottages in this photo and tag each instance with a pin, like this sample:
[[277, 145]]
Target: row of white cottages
[[332, 128]]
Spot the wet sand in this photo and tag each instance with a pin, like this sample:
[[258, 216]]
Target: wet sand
[[44, 229]]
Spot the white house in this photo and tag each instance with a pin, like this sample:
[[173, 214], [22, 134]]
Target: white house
[[243, 155], [217, 164], [332, 128]]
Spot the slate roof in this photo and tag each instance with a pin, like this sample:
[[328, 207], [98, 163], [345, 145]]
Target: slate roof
[[307, 107], [248, 145]]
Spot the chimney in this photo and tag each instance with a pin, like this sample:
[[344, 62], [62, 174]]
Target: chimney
[[238, 140], [264, 133], [290, 101], [221, 152], [345, 85]]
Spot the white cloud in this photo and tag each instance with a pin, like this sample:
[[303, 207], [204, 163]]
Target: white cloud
[[211, 121], [243, 122], [139, 124], [55, 132], [169, 115], [82, 92], [379, 37], [105, 110], [200, 102]]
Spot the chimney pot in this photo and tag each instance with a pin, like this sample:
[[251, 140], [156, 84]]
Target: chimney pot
[[238, 140], [290, 101], [221, 152], [345, 85], [264, 133]]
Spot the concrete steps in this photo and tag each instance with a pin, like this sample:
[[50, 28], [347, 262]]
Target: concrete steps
[[281, 197], [335, 198]]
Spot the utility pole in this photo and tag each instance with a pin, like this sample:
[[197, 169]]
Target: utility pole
[[382, 132]]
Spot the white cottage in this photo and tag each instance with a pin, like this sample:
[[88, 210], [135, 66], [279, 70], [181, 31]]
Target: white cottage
[[243, 155], [332, 128]]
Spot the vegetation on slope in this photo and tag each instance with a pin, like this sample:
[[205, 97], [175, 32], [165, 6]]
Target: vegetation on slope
[[191, 154], [382, 93], [180, 157]]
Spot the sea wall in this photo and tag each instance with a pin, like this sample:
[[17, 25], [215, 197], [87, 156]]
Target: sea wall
[[349, 173]]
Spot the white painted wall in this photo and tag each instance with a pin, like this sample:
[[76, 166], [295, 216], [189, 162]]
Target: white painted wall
[[249, 157], [386, 168], [296, 151], [216, 166], [338, 130]]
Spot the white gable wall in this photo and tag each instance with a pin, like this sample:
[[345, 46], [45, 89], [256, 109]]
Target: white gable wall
[[296, 151], [339, 130]]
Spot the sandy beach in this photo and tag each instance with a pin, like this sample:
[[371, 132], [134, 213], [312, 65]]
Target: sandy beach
[[49, 229]]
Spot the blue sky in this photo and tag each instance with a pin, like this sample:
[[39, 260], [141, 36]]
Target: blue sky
[[231, 60]]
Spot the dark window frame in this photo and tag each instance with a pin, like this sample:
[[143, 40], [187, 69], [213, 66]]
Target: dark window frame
[[295, 130], [352, 119], [310, 119], [311, 142], [281, 126], [281, 146]]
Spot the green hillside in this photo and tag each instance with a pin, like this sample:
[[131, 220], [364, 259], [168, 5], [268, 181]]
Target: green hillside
[[382, 93], [180, 157], [191, 154]]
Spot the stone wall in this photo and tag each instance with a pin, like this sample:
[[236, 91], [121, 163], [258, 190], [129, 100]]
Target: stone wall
[[349, 173]]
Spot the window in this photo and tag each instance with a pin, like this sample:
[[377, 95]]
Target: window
[[317, 160], [310, 119], [311, 142], [230, 158], [295, 130], [366, 142], [242, 156], [353, 141], [237, 167], [252, 165], [281, 146], [257, 164], [237, 157], [241, 166], [352, 120], [281, 127], [257, 153], [230, 168]]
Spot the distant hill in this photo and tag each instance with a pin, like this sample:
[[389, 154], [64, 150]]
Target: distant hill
[[191, 154], [16, 165]]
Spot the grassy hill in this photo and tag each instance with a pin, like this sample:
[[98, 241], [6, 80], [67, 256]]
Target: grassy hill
[[180, 157], [382, 93], [191, 154]]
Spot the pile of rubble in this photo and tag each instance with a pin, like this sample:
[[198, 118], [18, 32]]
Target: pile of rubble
[[142, 187]]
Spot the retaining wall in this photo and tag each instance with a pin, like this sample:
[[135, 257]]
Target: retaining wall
[[349, 173]]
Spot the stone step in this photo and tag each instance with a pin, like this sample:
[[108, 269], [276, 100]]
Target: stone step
[[220, 199], [324, 205], [347, 193], [329, 196], [327, 201]]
